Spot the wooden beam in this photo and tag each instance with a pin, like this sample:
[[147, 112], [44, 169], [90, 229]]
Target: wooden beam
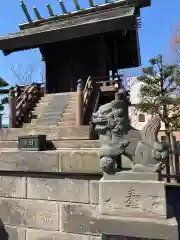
[[63, 8], [38, 16], [49, 8], [25, 10]]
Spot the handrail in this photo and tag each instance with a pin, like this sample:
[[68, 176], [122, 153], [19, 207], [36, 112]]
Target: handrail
[[97, 102], [87, 82], [24, 92], [92, 133], [23, 96], [25, 103], [88, 90], [108, 77]]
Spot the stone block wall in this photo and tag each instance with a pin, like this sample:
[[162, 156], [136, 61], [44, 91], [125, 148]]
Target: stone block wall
[[66, 207], [42, 208], [55, 195]]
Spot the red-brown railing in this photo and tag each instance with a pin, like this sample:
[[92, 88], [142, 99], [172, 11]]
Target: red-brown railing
[[22, 106], [88, 91], [108, 85]]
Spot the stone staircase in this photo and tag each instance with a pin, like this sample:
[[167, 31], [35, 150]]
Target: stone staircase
[[70, 150], [55, 117], [54, 110]]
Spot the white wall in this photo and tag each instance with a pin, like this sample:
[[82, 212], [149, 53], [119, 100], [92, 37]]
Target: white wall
[[134, 86]]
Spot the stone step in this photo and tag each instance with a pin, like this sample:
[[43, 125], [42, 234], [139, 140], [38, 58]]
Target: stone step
[[62, 121], [52, 114], [70, 132], [71, 102], [67, 123], [64, 160], [73, 119], [70, 111], [37, 111], [59, 144], [50, 120], [75, 161], [70, 118], [51, 106]]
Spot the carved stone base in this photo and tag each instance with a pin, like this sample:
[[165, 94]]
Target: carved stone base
[[129, 175], [132, 198]]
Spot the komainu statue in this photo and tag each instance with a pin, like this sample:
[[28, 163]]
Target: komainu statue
[[118, 138]]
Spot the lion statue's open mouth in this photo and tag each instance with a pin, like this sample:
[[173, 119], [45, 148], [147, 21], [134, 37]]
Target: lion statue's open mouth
[[102, 118]]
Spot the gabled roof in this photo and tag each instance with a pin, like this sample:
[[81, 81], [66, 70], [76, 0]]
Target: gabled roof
[[108, 17], [80, 12]]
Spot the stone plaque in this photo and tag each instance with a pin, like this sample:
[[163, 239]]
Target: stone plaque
[[32, 142], [132, 198]]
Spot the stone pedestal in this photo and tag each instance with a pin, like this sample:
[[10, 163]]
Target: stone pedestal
[[133, 198], [136, 197]]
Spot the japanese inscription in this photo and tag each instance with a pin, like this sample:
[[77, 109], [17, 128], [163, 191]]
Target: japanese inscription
[[135, 200], [29, 143], [132, 199]]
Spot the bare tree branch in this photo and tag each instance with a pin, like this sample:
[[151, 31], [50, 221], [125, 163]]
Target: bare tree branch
[[27, 73]]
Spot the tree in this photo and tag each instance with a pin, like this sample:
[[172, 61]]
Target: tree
[[160, 94], [3, 84], [27, 73]]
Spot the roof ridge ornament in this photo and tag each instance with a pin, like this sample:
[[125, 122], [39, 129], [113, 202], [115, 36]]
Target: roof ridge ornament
[[25, 10], [63, 8], [38, 16], [91, 3], [76, 3], [49, 8]]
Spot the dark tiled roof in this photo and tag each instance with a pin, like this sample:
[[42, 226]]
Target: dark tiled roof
[[125, 3], [69, 28], [103, 18]]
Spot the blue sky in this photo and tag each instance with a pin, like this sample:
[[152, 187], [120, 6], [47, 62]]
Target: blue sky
[[158, 23]]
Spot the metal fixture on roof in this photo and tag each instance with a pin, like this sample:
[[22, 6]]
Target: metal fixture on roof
[[65, 11], [91, 3], [76, 3], [25, 10], [38, 16], [63, 8], [49, 8]]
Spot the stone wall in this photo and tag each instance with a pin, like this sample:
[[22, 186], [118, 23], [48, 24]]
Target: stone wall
[[38, 191], [55, 196], [37, 208]]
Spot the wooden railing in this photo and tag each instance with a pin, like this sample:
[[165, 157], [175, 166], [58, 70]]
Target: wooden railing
[[84, 99], [22, 105], [108, 85], [92, 133], [88, 91]]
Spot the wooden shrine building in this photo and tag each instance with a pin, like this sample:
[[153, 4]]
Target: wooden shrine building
[[86, 42]]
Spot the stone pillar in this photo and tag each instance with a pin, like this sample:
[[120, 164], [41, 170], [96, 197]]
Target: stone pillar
[[12, 109], [80, 104]]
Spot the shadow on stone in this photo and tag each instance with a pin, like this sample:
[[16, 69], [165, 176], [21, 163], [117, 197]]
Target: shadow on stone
[[173, 206], [3, 233], [110, 237], [50, 145]]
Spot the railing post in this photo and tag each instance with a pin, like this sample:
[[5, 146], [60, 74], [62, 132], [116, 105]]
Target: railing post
[[26, 107], [117, 95], [12, 109], [79, 104]]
